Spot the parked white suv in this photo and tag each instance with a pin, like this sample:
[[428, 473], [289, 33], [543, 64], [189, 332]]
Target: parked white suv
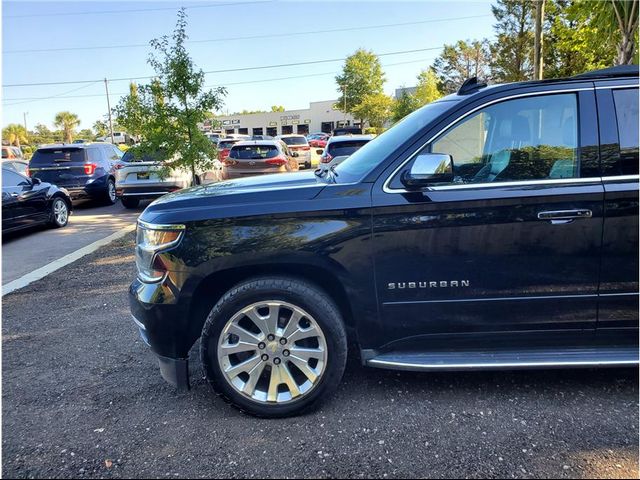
[[300, 145]]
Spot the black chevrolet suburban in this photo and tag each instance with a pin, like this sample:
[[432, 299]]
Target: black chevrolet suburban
[[496, 228]]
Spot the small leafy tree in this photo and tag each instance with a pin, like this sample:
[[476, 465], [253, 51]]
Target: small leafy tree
[[100, 128], [277, 108], [165, 113], [428, 89], [68, 122], [461, 61], [15, 134], [376, 108], [361, 76]]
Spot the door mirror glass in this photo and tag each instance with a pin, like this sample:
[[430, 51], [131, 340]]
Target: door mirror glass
[[36, 180], [295, 154], [429, 168], [319, 151]]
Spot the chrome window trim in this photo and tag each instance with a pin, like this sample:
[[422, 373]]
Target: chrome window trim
[[611, 87], [614, 178], [157, 226], [387, 189]]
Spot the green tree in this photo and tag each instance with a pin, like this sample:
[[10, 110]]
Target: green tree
[[15, 134], [428, 89], [41, 135], [277, 108], [167, 111], [403, 106], [619, 20], [512, 51], [461, 61], [68, 122], [86, 134], [100, 128], [361, 76], [376, 108]]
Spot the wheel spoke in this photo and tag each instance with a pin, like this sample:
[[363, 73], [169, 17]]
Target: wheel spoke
[[304, 368], [286, 376], [274, 382], [266, 324], [245, 366], [245, 335], [305, 354], [292, 325], [231, 348], [302, 333], [254, 376]]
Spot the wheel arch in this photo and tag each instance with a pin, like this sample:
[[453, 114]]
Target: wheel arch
[[214, 286]]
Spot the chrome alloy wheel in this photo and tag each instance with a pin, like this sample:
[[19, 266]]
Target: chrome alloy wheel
[[272, 352], [112, 191], [60, 211]]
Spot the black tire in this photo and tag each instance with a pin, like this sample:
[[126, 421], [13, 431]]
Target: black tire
[[128, 202], [58, 221], [297, 292], [110, 193]]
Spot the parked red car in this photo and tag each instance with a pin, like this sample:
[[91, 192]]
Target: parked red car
[[318, 141], [224, 146]]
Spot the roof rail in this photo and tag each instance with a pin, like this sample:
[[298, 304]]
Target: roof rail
[[617, 71], [471, 85]]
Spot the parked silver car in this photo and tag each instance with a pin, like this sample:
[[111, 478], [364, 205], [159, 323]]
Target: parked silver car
[[141, 177], [339, 148]]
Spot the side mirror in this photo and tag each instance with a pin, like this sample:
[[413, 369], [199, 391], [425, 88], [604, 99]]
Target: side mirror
[[320, 151], [295, 154], [427, 169], [36, 181]]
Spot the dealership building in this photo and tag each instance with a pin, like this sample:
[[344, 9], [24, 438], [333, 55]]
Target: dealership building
[[319, 117]]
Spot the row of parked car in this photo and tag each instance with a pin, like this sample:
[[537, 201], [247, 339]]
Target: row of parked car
[[43, 189]]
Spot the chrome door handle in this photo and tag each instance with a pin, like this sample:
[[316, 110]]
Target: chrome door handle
[[13, 194], [558, 217]]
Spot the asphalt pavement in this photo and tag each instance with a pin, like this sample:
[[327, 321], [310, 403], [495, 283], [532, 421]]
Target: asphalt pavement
[[82, 397]]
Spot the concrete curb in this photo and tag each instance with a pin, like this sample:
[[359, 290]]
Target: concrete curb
[[64, 261]]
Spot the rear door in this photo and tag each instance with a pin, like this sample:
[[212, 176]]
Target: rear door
[[64, 166], [618, 120]]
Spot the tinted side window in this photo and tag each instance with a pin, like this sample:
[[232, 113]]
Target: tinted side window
[[12, 179], [626, 103], [533, 138]]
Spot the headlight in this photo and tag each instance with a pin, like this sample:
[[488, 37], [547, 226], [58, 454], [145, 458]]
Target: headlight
[[150, 239]]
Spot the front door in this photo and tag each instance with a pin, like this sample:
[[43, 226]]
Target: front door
[[513, 243]]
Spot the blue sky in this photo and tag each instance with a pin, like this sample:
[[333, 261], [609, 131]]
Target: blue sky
[[58, 25]]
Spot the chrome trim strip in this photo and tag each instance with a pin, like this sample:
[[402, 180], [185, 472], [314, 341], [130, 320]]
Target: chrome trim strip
[[611, 87], [618, 294], [620, 177], [498, 299], [521, 183], [157, 226], [140, 194], [486, 366], [387, 189]]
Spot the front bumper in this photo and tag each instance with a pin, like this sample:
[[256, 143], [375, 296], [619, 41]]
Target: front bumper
[[158, 317]]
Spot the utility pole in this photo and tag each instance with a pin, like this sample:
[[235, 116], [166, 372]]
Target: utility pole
[[24, 116], [106, 87], [537, 44]]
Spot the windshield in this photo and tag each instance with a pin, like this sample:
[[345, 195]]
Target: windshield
[[295, 140], [370, 155]]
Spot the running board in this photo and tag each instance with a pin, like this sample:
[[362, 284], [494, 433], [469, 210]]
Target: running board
[[504, 359]]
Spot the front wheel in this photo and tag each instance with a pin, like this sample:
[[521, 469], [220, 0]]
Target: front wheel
[[274, 347], [59, 215]]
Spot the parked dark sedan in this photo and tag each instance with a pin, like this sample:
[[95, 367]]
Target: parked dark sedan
[[86, 170], [27, 202]]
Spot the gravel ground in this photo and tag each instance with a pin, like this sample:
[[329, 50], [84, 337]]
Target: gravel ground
[[82, 397]]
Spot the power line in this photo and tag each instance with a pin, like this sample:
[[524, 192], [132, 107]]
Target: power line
[[265, 80], [251, 37], [227, 70], [137, 10]]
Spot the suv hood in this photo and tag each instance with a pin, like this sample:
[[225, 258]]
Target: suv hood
[[257, 195]]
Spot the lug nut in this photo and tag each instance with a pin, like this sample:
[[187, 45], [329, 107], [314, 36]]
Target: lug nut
[[271, 337], [261, 346], [276, 361], [285, 353], [283, 341], [265, 357]]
